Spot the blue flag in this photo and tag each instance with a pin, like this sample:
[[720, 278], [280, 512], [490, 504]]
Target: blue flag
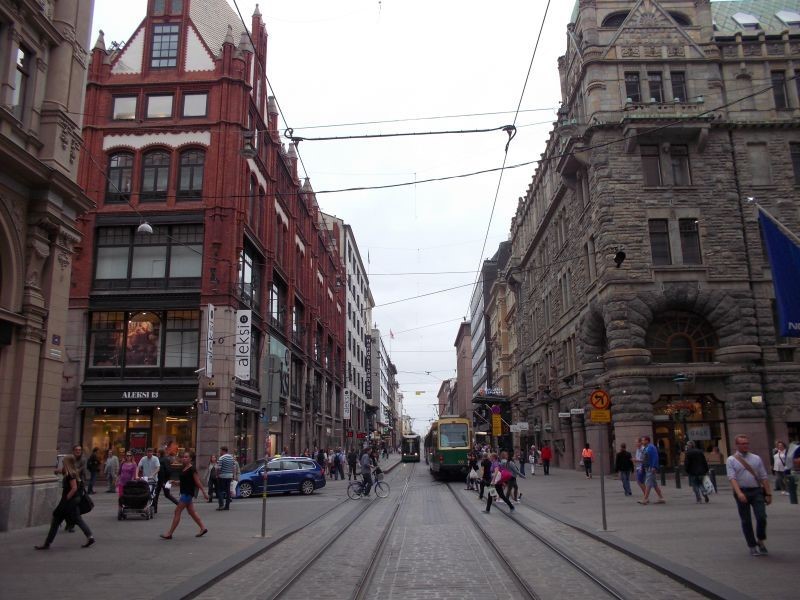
[[784, 259]]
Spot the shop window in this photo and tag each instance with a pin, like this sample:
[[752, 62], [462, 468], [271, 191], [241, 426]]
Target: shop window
[[155, 176], [119, 175], [679, 86], [249, 284], [182, 338], [651, 165], [681, 337], [654, 79], [124, 108], [190, 182], [195, 105], [633, 88], [659, 241], [165, 46], [143, 341]]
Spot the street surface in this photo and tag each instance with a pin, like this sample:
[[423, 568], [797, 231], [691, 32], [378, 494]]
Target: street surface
[[434, 550]]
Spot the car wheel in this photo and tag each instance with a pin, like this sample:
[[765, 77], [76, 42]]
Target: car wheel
[[307, 487], [245, 489]]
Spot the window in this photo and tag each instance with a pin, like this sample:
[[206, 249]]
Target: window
[[680, 19], [615, 20], [690, 242], [176, 7], [124, 108], [651, 165], [159, 107], [159, 7], [165, 46], [681, 337], [656, 87], [759, 159], [155, 176], [143, 340], [591, 260], [779, 89], [255, 367], [120, 174], [190, 182], [182, 338], [21, 77], [679, 156], [789, 17], [679, 86], [169, 257], [794, 150], [566, 290], [633, 90], [249, 278], [194, 105], [105, 347], [277, 302], [659, 241]]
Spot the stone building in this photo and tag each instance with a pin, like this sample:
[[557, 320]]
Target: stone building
[[206, 307], [463, 385], [636, 250], [42, 81]]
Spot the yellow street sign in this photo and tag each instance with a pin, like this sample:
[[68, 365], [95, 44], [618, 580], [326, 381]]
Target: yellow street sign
[[600, 416], [497, 425]]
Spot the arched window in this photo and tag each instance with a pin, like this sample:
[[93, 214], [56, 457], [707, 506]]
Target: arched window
[[615, 20], [190, 183], [120, 173], [681, 337], [681, 19], [143, 340], [155, 175]]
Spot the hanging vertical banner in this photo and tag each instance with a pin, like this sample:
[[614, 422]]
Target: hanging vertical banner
[[368, 367], [346, 408], [784, 260], [210, 341], [243, 342]]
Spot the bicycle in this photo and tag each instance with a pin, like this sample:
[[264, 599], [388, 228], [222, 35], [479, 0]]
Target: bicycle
[[355, 489]]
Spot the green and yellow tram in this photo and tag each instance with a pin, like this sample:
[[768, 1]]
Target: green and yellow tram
[[409, 448], [447, 444]]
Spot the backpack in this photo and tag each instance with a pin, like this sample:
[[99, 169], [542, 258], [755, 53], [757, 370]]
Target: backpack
[[505, 475]]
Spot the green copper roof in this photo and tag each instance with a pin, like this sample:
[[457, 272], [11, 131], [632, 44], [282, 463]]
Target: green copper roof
[[763, 10]]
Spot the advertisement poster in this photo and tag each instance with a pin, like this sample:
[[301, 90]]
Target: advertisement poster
[[210, 341], [346, 409], [243, 341]]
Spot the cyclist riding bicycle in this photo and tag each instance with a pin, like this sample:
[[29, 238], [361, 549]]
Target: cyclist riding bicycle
[[366, 471]]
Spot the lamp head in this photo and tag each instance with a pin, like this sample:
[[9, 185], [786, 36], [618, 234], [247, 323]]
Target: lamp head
[[144, 227]]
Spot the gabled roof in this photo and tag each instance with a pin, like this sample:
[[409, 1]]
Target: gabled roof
[[211, 18], [764, 10]]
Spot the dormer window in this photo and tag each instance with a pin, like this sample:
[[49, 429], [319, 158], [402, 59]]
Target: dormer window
[[746, 21], [164, 7], [615, 20], [165, 45], [789, 17], [681, 19]]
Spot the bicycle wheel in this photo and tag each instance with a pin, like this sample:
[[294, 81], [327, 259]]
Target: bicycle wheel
[[354, 490], [381, 489]]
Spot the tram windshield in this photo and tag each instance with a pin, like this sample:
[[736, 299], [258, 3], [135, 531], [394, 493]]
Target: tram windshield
[[453, 435], [411, 445]]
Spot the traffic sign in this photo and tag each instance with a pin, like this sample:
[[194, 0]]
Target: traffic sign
[[497, 425], [600, 399], [600, 416]]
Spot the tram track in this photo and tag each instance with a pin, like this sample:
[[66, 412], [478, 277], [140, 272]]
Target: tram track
[[606, 587]]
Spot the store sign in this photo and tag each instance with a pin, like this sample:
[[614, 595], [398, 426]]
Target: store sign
[[368, 366], [576, 411], [346, 407], [698, 432], [210, 341], [243, 344], [245, 401], [143, 397], [564, 415], [497, 425]]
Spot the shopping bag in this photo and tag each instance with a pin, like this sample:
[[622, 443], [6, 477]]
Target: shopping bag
[[85, 504], [234, 483], [708, 487]]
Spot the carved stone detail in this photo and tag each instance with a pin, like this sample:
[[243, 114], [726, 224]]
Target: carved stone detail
[[752, 50], [729, 51], [775, 49], [630, 52], [652, 51], [676, 51], [37, 252]]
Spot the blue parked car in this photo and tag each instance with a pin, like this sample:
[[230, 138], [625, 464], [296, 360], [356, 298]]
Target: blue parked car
[[285, 474]]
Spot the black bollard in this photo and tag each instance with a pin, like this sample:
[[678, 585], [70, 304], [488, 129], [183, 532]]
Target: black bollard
[[677, 478], [791, 482], [663, 477]]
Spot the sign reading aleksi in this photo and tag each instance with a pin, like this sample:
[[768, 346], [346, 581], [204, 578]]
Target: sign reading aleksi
[[368, 379]]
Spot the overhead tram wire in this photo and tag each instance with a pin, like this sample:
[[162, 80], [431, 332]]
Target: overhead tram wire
[[289, 134], [505, 155]]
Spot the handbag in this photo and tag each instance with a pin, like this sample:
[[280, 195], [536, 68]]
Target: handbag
[[234, 483], [85, 503], [474, 475], [708, 487]]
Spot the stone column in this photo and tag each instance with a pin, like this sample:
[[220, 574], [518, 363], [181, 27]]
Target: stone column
[[578, 441]]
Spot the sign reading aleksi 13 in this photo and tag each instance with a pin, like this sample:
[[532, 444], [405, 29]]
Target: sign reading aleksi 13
[[368, 380]]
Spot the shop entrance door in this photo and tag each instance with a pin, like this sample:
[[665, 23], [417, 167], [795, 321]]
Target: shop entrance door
[[678, 418]]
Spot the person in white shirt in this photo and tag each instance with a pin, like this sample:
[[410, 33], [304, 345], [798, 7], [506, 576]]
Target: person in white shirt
[[148, 466], [779, 467], [750, 485]]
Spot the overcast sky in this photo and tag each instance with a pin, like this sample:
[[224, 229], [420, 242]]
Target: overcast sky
[[335, 62]]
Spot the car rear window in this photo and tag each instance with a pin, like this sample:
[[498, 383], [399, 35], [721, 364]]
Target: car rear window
[[289, 465], [307, 465]]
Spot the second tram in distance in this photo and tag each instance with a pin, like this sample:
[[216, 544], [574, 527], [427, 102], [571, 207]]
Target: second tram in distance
[[409, 448], [447, 444]]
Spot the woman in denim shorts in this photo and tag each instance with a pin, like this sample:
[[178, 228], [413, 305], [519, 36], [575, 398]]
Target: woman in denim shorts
[[190, 483]]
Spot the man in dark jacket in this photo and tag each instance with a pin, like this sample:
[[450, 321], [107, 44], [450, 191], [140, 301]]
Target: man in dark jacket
[[624, 466], [696, 468]]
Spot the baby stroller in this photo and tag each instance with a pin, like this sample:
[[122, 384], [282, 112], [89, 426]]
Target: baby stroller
[[137, 498]]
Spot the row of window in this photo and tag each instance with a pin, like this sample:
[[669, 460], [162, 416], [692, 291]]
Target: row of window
[[155, 173], [159, 106], [655, 81]]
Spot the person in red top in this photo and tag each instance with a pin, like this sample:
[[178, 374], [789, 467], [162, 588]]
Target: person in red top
[[547, 456], [587, 455]]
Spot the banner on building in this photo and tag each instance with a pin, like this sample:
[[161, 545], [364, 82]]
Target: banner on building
[[784, 260], [368, 367], [243, 342], [346, 406], [497, 425], [210, 341]]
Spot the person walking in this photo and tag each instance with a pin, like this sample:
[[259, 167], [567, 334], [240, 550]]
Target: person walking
[[500, 477], [226, 465], [547, 456], [532, 458], [190, 483], [111, 471], [486, 474], [149, 466], [512, 489], [750, 485], [522, 460], [694, 461], [93, 466], [650, 464], [337, 465], [624, 466], [352, 464], [164, 469], [587, 455], [127, 472], [779, 468], [211, 477], [638, 464], [83, 475], [68, 509]]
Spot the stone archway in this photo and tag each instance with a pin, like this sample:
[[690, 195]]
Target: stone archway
[[11, 258]]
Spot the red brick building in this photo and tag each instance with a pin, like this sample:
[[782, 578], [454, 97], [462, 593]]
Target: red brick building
[[180, 134]]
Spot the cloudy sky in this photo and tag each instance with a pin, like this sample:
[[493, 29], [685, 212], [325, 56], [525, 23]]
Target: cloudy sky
[[424, 65]]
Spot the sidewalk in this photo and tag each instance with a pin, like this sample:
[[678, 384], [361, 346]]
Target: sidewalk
[[131, 559], [706, 538]]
